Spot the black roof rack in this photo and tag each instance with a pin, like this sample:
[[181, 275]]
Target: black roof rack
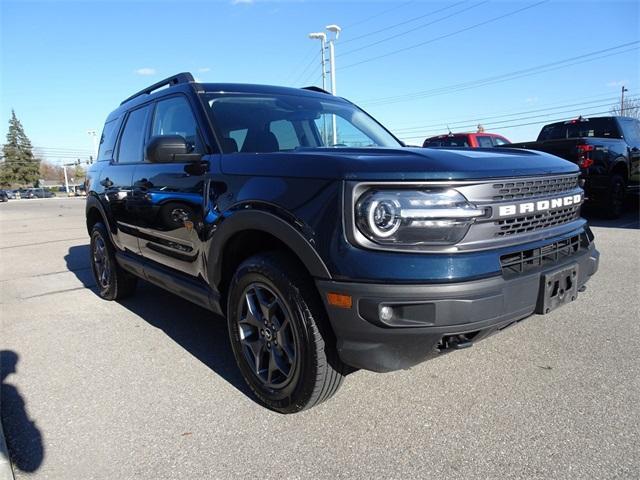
[[184, 77], [313, 88]]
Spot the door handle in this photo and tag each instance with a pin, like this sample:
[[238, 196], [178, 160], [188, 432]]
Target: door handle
[[106, 183]]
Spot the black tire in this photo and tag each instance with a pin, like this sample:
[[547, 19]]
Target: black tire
[[112, 282], [614, 203], [281, 287]]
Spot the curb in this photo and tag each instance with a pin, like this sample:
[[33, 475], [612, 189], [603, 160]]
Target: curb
[[6, 472]]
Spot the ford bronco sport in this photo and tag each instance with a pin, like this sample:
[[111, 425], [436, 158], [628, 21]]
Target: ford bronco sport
[[326, 254]]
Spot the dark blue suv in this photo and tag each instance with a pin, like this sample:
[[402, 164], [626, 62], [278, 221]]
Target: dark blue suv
[[327, 244]]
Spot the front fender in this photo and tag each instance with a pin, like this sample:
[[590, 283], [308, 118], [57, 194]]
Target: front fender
[[269, 223]]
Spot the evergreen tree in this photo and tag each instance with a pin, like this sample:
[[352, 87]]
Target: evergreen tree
[[19, 165]]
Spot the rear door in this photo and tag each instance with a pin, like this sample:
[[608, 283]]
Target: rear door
[[117, 178], [169, 196]]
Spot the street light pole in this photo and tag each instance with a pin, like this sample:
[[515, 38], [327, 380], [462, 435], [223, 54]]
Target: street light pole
[[622, 101], [332, 64], [94, 136], [323, 39]]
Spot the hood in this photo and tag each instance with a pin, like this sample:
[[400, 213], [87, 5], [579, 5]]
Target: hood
[[397, 164]]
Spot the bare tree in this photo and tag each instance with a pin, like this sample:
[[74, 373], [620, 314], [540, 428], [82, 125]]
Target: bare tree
[[631, 108]]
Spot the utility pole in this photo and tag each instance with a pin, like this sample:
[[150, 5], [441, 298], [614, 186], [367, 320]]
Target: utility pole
[[66, 179], [622, 101], [323, 39], [94, 136], [332, 65]]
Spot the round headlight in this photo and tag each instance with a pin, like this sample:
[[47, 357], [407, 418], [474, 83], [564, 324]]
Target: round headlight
[[384, 217], [413, 218]]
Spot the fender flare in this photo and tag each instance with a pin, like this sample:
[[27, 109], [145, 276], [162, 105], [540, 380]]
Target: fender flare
[[93, 202], [272, 225]]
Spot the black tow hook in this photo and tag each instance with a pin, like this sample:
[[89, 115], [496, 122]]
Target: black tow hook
[[582, 288], [456, 342]]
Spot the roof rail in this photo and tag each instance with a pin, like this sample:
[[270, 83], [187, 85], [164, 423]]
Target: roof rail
[[313, 88], [184, 77]]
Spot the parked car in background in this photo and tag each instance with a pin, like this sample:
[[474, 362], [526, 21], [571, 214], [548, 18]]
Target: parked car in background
[[607, 150], [4, 197], [36, 193], [13, 194], [472, 140]]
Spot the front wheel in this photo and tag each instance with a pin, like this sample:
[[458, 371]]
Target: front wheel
[[280, 335]]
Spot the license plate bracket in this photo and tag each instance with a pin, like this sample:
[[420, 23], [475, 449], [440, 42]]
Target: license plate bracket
[[557, 288]]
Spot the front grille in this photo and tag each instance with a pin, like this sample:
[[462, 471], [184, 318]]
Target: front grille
[[539, 221], [526, 260], [534, 187]]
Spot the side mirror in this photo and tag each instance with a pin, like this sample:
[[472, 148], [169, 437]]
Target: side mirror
[[170, 149]]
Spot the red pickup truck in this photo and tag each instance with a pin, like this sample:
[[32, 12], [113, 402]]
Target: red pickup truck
[[473, 140]]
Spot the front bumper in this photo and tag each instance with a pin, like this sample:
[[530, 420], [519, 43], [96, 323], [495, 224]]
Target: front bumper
[[437, 318]]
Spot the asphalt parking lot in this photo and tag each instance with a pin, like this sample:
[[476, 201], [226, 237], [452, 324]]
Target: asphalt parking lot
[[147, 388]]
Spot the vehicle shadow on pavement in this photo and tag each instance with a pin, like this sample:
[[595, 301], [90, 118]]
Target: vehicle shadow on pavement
[[199, 331], [24, 439], [630, 218]]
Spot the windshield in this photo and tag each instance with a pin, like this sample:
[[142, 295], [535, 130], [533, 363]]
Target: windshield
[[282, 123], [603, 127]]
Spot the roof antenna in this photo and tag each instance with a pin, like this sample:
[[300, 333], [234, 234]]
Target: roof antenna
[[450, 132]]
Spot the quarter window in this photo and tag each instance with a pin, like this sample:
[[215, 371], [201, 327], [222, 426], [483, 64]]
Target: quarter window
[[108, 139], [132, 139]]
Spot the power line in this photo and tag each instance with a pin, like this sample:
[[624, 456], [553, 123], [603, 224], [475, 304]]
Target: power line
[[498, 124], [471, 27], [302, 76], [379, 14], [473, 121], [300, 73], [411, 20], [546, 122], [505, 76], [516, 111], [411, 30]]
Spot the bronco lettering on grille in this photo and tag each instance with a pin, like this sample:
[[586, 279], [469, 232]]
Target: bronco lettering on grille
[[539, 206]]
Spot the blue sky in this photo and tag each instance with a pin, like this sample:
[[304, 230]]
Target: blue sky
[[66, 65]]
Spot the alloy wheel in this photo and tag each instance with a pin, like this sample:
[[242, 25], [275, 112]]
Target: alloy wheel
[[267, 336], [101, 262]]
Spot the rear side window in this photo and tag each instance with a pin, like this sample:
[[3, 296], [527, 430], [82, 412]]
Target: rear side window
[[173, 116], [499, 141], [484, 141], [108, 139], [452, 141], [132, 138]]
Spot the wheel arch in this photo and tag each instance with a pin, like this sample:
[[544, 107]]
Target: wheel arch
[[95, 212], [620, 167], [247, 233]]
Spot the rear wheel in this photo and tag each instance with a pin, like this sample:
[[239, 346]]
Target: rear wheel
[[112, 281], [614, 205], [280, 334]]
